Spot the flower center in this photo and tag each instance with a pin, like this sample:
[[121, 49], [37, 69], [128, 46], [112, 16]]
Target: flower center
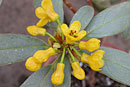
[[73, 33]]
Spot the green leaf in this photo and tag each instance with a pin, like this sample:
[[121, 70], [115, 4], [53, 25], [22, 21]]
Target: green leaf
[[84, 15], [117, 65], [111, 21], [42, 78], [0, 2], [16, 47], [126, 34], [58, 7]]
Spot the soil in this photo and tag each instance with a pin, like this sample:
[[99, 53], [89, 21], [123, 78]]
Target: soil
[[16, 15]]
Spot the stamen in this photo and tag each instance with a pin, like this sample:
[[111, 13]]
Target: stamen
[[75, 36], [73, 33]]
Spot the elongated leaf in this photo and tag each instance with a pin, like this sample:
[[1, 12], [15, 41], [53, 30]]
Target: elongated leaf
[[42, 78], [58, 7], [126, 34], [16, 48], [0, 2], [111, 21], [117, 65], [84, 15]]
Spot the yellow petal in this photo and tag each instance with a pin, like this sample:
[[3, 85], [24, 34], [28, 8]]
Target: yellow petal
[[42, 22], [75, 26], [95, 60], [69, 40], [96, 65], [32, 65], [84, 58], [48, 7], [40, 13], [81, 34], [34, 30], [52, 15], [65, 29], [98, 54], [46, 4], [82, 45]]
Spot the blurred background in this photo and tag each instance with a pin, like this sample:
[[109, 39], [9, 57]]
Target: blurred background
[[16, 15]]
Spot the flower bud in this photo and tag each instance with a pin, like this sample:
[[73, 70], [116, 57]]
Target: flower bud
[[53, 16], [95, 60], [42, 55], [42, 22], [90, 45], [57, 77], [32, 65], [78, 72], [84, 58], [34, 30], [40, 13], [48, 7], [99, 54]]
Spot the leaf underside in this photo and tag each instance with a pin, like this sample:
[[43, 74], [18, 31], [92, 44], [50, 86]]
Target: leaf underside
[[84, 15], [111, 21], [126, 34], [16, 47], [117, 65]]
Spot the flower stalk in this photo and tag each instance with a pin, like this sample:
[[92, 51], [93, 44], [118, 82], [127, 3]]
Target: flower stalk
[[51, 36], [63, 55], [71, 55], [76, 51], [59, 24]]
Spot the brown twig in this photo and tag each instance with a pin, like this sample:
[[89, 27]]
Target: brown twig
[[70, 6], [90, 3]]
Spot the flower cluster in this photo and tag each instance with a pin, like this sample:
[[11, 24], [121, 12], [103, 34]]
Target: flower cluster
[[67, 46]]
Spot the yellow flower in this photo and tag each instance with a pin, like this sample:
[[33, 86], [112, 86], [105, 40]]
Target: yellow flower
[[57, 77], [95, 60], [73, 33], [46, 13], [78, 72], [32, 65], [42, 55], [34, 30], [90, 45]]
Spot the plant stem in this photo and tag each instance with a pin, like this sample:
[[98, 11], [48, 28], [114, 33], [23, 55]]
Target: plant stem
[[51, 36], [71, 55], [63, 55], [70, 6], [58, 22], [75, 43], [76, 51]]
